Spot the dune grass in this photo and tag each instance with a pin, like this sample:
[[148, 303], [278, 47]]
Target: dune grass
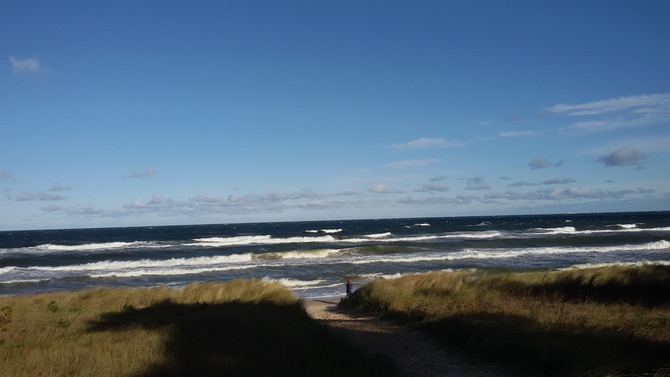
[[238, 328], [611, 321]]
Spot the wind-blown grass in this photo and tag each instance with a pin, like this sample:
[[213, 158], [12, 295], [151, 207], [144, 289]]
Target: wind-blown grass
[[243, 327], [605, 321]]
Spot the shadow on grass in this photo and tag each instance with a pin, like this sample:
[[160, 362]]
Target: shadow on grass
[[242, 339], [520, 343], [648, 286]]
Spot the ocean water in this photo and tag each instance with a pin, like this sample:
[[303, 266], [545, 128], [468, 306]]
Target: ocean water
[[314, 259]]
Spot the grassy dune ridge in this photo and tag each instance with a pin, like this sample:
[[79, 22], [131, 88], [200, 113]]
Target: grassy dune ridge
[[242, 327], [602, 321]]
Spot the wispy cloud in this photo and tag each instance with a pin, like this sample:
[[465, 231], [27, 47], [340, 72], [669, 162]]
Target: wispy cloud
[[5, 175], [25, 66], [156, 202], [508, 134], [573, 193], [623, 157], [59, 188], [617, 113], [645, 144], [555, 181], [477, 183], [546, 196], [146, 173], [433, 188], [643, 104], [427, 142], [381, 189], [51, 194], [410, 163], [27, 196], [558, 181]]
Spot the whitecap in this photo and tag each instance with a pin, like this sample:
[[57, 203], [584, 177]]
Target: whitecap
[[258, 240], [292, 283]]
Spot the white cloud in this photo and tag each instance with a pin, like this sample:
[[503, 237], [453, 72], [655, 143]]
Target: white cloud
[[658, 143], [466, 197], [427, 142], [380, 189], [27, 196], [148, 172], [523, 183], [433, 188], [25, 66], [623, 157], [643, 104], [410, 163], [477, 183], [50, 194], [508, 134], [574, 193], [542, 162], [156, 202], [57, 188], [555, 181], [558, 181], [612, 124], [617, 113]]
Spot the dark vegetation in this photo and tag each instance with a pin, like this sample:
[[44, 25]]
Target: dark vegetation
[[239, 328], [612, 321]]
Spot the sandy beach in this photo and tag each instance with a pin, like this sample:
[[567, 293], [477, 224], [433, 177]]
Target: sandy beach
[[413, 352]]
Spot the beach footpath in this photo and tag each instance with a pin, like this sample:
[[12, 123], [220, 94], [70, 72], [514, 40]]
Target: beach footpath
[[413, 352]]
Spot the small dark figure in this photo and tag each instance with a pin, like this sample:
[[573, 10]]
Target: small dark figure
[[349, 287]]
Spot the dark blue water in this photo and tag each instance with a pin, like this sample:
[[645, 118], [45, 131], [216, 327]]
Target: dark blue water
[[315, 258]]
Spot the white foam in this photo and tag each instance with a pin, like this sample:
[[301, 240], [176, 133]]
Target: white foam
[[379, 275], [378, 235], [600, 265], [251, 240], [505, 253], [292, 283], [307, 254], [560, 230], [468, 235], [484, 223], [400, 258], [623, 228], [167, 271], [96, 246], [328, 231], [149, 263], [15, 281]]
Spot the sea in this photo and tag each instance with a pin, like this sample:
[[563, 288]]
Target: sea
[[315, 258]]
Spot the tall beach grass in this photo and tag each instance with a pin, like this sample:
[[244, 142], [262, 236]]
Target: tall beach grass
[[612, 321], [239, 328]]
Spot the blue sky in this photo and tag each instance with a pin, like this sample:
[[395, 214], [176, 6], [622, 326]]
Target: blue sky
[[131, 113]]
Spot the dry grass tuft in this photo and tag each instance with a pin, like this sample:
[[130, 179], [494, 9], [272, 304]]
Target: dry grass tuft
[[242, 327], [604, 321]]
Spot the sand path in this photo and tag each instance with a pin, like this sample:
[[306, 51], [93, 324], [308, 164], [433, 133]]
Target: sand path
[[414, 353]]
